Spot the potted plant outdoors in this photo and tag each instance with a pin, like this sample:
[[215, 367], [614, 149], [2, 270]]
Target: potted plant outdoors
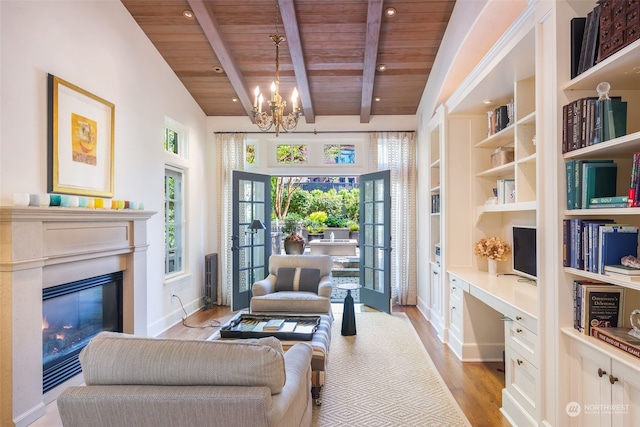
[[316, 225], [354, 231], [294, 243], [338, 226]]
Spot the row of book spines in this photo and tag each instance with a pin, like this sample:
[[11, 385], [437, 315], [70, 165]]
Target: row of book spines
[[605, 315], [589, 121], [587, 244], [590, 179]]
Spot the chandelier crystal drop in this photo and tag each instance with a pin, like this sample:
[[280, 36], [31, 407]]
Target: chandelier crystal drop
[[275, 115]]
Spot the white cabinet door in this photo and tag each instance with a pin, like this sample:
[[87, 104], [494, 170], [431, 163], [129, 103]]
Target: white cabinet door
[[592, 390], [625, 393], [437, 302]]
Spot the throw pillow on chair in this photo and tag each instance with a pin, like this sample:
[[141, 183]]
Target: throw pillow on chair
[[298, 279]]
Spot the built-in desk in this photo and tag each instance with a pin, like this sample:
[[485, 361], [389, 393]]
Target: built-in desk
[[476, 298], [508, 295]]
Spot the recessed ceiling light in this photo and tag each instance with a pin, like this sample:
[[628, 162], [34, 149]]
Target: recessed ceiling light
[[390, 12], [187, 13], [377, 99], [381, 67], [235, 99], [218, 69], [487, 101]]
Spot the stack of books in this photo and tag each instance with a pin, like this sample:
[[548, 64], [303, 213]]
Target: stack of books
[[622, 272], [597, 304]]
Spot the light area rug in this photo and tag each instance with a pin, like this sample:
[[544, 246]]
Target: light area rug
[[383, 376]]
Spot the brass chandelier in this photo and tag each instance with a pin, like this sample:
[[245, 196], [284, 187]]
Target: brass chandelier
[[274, 114]]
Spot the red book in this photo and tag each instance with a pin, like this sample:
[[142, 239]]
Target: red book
[[619, 338]]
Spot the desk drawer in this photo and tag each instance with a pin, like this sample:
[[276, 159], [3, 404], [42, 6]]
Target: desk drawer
[[457, 286], [522, 340], [525, 320]]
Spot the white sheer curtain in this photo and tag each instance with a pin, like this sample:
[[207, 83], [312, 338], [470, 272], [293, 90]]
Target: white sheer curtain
[[396, 151], [230, 156]]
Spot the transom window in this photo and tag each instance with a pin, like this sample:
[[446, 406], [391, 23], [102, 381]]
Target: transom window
[[288, 154]]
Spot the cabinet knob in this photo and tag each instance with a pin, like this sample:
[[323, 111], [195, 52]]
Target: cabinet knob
[[518, 330], [601, 372], [612, 379], [520, 362], [518, 317]]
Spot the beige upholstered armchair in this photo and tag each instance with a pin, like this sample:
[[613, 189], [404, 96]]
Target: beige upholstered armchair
[[296, 284]]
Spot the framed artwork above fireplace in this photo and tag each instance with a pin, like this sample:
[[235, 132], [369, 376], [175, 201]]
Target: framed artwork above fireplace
[[81, 140]]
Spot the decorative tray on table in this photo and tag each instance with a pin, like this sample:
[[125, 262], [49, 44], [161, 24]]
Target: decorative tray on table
[[288, 328]]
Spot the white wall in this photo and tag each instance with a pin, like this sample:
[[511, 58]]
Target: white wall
[[97, 46]]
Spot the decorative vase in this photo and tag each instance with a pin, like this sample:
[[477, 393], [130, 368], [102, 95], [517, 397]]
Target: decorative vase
[[294, 244], [493, 266]]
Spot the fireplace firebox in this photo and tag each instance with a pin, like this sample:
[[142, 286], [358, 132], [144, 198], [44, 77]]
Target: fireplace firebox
[[72, 314]]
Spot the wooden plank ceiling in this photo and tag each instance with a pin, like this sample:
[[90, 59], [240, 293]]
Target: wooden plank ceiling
[[331, 51]]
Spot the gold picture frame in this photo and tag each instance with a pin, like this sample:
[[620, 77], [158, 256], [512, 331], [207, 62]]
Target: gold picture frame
[[81, 141]]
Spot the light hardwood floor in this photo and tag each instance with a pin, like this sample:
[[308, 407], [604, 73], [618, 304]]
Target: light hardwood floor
[[477, 387]]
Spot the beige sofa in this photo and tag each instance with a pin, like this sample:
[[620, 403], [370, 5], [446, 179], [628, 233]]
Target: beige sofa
[[267, 298], [153, 382]]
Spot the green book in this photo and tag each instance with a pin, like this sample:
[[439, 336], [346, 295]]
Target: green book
[[576, 180], [608, 200], [598, 180], [614, 119]]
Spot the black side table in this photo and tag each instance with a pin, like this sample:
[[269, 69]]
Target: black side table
[[348, 315]]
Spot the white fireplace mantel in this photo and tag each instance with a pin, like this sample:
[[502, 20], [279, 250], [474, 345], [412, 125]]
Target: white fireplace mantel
[[44, 247]]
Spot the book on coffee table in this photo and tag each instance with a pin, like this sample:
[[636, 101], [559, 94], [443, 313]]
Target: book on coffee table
[[273, 325]]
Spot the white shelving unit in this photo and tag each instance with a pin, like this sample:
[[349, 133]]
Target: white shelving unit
[[599, 374]]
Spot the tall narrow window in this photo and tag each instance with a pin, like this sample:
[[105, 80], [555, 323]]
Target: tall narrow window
[[173, 223], [171, 141]]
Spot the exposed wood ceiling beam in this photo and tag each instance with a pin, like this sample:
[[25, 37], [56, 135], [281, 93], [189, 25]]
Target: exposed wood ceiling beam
[[374, 16], [216, 40], [288, 13]]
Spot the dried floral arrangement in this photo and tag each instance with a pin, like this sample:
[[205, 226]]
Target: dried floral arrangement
[[492, 248]]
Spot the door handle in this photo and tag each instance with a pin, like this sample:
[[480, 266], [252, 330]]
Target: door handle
[[601, 373]]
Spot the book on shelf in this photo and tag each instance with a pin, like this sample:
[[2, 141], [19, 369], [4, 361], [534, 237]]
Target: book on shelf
[[631, 193], [577, 34], [509, 191], [614, 119], [619, 338], [608, 200], [273, 325], [609, 205], [622, 269], [590, 40], [616, 241], [597, 304], [598, 180], [506, 191]]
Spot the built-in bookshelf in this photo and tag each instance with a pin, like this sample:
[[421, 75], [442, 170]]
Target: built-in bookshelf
[[589, 359], [529, 69]]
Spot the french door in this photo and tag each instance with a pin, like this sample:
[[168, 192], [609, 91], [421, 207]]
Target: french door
[[251, 248], [375, 240]]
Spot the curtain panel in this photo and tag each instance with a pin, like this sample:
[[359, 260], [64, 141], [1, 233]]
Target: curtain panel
[[230, 154], [396, 151]]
